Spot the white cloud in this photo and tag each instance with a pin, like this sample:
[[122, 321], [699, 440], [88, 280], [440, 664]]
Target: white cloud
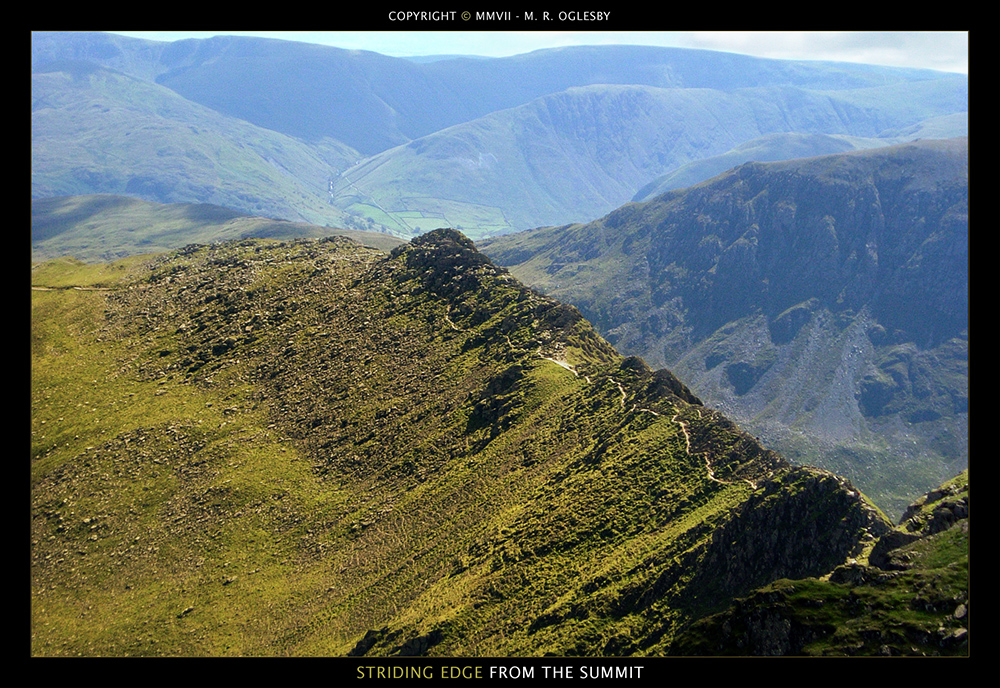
[[943, 50]]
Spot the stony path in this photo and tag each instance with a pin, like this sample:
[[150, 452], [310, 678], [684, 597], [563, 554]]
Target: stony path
[[73, 288], [675, 419]]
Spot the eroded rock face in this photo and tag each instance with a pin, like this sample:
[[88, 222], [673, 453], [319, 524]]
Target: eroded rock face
[[920, 566], [938, 509], [935, 512], [801, 524]]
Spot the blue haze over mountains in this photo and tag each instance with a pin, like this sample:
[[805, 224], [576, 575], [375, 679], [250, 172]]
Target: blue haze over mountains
[[551, 138], [485, 145]]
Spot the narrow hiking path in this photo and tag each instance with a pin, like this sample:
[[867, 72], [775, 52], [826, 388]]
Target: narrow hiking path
[[675, 419], [33, 288], [708, 463], [447, 317]]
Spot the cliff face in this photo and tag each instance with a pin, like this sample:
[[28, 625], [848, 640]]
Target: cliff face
[[915, 582], [885, 229], [802, 524], [821, 303]]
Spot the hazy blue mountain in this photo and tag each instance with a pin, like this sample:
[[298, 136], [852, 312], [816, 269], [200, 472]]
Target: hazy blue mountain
[[371, 101], [488, 145], [791, 145], [133, 56], [767, 148], [577, 154], [95, 130]]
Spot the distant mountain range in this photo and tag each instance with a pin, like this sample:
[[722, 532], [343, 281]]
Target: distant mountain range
[[360, 140], [822, 303]]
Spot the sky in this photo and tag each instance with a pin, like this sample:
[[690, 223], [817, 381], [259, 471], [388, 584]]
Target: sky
[[941, 50]]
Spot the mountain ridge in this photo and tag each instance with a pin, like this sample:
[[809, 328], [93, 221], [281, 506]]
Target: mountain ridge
[[502, 82], [435, 474]]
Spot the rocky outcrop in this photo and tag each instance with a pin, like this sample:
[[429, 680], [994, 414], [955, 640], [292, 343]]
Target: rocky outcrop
[[915, 581], [800, 524], [933, 513]]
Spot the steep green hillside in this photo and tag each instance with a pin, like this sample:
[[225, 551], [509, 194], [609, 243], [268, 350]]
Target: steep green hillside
[[104, 227], [310, 448], [575, 155], [94, 130], [822, 303]]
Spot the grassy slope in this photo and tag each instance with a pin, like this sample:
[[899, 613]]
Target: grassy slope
[[104, 226], [271, 448], [99, 131]]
